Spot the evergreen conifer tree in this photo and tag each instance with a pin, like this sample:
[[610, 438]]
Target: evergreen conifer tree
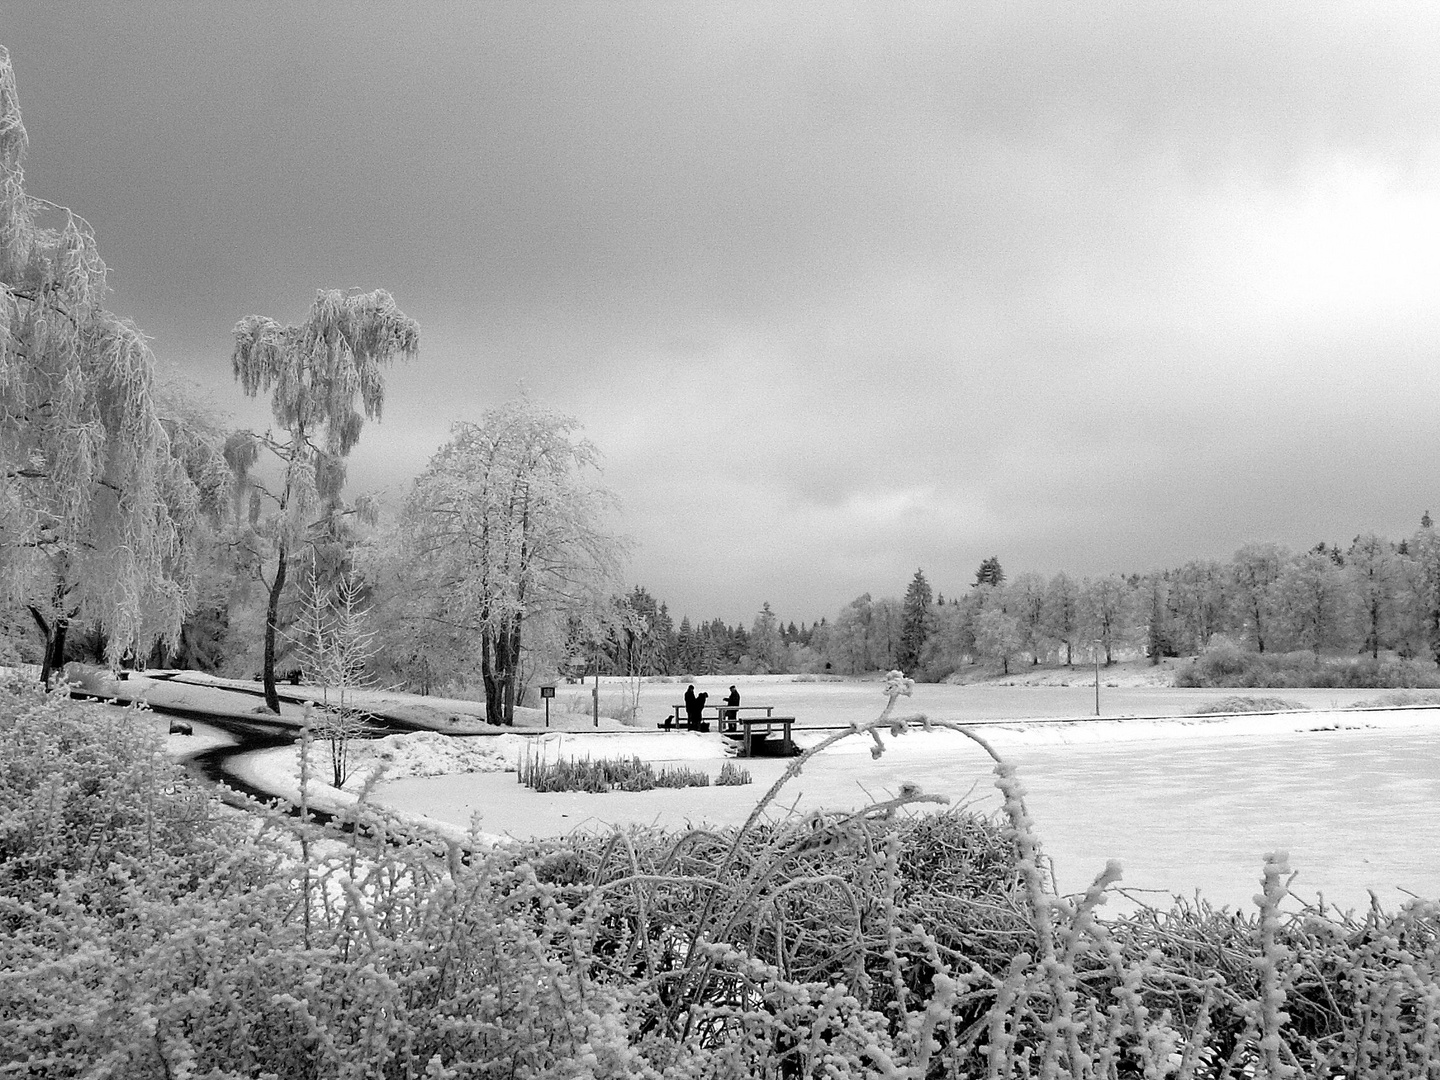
[[990, 572], [915, 622]]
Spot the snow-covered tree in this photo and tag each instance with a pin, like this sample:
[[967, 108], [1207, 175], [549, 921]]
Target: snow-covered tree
[[916, 622], [314, 373], [989, 573], [1422, 589], [506, 524], [1312, 599], [1371, 566], [767, 650], [1107, 613], [97, 506], [1200, 598], [1062, 613], [998, 636], [1254, 569], [1026, 601]]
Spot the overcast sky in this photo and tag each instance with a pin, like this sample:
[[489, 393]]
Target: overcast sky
[[839, 291]]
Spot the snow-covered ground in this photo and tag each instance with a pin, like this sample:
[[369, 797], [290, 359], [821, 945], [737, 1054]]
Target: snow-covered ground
[[1185, 805]]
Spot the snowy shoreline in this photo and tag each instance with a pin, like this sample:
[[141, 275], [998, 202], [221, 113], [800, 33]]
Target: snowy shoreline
[[429, 754]]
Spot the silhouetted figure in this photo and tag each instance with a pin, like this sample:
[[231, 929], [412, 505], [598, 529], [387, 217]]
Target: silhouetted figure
[[732, 703], [694, 707]]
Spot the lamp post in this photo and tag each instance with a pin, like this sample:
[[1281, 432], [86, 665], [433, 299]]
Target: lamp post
[[1095, 648]]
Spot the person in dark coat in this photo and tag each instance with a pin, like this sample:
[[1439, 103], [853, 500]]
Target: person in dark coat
[[694, 706], [732, 703]]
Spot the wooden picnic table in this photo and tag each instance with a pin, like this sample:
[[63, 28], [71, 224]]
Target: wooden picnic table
[[719, 710], [747, 731], [747, 727]]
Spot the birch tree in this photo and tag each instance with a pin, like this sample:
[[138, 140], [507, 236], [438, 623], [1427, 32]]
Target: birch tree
[[505, 525], [97, 507], [314, 374]]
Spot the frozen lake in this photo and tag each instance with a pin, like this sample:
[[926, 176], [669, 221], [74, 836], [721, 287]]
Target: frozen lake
[[1182, 809]]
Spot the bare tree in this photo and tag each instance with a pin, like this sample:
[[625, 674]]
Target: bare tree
[[337, 647]]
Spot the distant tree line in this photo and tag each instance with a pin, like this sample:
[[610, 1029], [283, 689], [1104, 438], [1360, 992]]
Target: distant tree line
[[1371, 597], [1374, 595], [644, 640]]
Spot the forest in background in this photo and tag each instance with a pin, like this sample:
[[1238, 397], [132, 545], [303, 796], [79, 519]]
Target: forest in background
[[1375, 598]]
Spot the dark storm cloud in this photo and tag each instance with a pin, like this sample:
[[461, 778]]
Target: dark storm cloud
[[1089, 286]]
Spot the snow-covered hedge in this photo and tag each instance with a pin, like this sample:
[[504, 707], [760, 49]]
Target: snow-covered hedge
[[147, 931]]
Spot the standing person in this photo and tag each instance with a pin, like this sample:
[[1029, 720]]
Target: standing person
[[694, 706], [732, 705]]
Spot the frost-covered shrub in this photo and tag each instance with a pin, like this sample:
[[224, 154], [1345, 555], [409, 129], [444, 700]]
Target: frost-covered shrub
[[86, 788], [1226, 665], [1400, 699], [147, 932], [1241, 703]]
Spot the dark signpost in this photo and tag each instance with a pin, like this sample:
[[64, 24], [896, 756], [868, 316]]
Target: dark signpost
[[546, 693]]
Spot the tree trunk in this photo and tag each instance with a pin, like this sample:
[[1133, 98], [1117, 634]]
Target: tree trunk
[[494, 714], [272, 615], [54, 634], [54, 659], [502, 668], [499, 665], [512, 664]]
